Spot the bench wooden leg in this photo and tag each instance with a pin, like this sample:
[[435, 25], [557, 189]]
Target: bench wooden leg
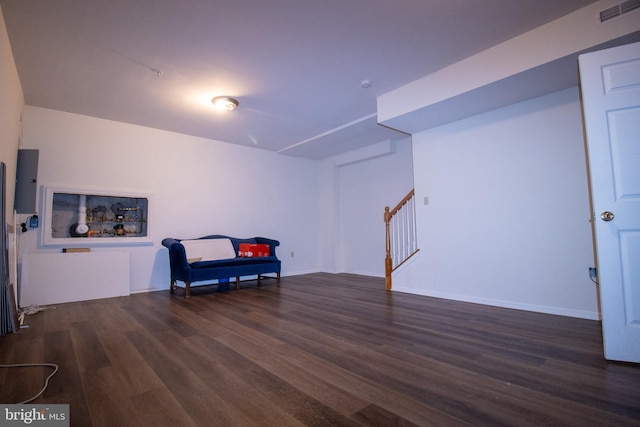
[[237, 283], [187, 289], [259, 277], [278, 279], [172, 287]]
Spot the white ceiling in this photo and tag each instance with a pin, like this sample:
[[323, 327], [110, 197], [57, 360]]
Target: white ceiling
[[295, 66]]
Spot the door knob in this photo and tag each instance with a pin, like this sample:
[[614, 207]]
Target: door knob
[[607, 216]]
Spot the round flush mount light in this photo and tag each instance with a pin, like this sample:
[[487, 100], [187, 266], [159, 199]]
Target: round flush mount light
[[224, 103]]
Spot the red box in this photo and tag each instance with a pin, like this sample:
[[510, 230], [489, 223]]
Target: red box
[[250, 250]]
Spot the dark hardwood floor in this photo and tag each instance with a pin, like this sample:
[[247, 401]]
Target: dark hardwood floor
[[321, 350]]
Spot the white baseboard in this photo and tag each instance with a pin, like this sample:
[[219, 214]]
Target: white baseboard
[[559, 311]]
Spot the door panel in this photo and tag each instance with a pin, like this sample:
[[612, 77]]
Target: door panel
[[624, 126], [630, 244]]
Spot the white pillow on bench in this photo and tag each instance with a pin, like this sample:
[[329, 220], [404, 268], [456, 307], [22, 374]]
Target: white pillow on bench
[[208, 249]]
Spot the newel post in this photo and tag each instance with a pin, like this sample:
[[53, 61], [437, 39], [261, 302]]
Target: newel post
[[388, 265]]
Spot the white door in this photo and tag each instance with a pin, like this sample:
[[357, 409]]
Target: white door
[[610, 85]]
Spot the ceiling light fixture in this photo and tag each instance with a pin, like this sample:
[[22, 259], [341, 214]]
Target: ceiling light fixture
[[224, 103]]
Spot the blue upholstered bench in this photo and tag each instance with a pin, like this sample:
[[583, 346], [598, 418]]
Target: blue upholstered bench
[[215, 257]]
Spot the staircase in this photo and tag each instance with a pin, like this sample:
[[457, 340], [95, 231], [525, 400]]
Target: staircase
[[400, 225]]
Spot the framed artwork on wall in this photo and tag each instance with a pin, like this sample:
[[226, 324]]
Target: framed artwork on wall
[[85, 217]]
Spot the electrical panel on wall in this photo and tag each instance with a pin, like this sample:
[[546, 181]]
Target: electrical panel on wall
[[26, 181]]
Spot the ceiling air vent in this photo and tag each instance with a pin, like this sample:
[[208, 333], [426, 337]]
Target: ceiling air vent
[[619, 10]]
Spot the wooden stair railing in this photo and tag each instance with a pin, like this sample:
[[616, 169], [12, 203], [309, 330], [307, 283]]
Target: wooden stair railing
[[400, 225]]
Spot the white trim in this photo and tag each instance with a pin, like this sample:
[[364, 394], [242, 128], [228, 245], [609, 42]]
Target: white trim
[[581, 314]]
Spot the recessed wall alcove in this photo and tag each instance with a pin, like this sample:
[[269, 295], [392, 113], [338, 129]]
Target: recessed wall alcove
[[89, 217]]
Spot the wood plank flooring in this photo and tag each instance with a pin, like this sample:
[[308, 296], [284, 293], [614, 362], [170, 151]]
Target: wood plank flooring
[[321, 350]]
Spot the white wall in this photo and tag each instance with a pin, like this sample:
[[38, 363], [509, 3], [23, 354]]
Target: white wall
[[198, 187], [11, 104], [508, 219]]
